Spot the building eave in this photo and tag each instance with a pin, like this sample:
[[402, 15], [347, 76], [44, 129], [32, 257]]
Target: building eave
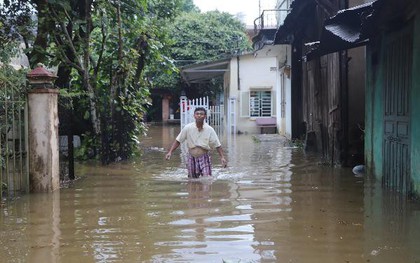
[[356, 26], [205, 71], [348, 29]]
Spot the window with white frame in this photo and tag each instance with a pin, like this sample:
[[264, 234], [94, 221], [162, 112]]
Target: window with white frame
[[260, 103]]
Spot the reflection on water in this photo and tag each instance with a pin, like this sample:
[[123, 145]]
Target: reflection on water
[[272, 204]]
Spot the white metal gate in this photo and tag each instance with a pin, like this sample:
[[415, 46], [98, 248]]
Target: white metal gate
[[187, 108], [215, 114], [216, 119]]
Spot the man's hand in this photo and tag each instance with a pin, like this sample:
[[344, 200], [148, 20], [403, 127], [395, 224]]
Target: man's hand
[[224, 162], [173, 148], [168, 156]]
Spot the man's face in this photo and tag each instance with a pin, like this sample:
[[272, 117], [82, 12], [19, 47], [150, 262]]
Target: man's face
[[199, 115]]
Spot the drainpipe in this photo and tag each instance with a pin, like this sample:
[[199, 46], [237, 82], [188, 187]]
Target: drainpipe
[[239, 79]]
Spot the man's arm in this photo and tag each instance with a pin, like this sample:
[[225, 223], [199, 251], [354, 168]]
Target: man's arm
[[174, 146], [222, 156]]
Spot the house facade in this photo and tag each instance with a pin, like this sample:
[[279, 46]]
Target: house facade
[[259, 85], [255, 86], [327, 89]]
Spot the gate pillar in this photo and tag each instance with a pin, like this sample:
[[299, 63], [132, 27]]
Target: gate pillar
[[165, 107], [43, 131]]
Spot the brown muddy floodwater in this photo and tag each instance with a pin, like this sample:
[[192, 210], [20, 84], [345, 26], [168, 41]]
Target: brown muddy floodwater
[[272, 204]]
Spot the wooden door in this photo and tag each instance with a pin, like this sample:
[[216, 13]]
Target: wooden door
[[397, 85]]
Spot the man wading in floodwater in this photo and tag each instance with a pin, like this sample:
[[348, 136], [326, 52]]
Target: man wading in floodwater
[[201, 138]]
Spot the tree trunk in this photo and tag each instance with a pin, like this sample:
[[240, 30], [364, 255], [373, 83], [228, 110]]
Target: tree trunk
[[88, 82], [38, 54]]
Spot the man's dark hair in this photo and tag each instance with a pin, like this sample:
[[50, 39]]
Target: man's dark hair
[[200, 109]]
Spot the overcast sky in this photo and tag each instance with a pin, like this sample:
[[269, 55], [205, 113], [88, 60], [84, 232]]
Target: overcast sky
[[246, 10]]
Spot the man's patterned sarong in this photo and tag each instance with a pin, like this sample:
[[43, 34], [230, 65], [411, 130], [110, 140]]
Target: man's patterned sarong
[[199, 166]]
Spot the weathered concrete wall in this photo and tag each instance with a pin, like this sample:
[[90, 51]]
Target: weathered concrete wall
[[43, 140]]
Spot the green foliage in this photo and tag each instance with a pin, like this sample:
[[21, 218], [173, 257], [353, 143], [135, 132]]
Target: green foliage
[[12, 88], [197, 37], [299, 143], [102, 52], [255, 139], [110, 54], [188, 6], [85, 151], [207, 36], [125, 94], [12, 83], [15, 21], [8, 51], [15, 25]]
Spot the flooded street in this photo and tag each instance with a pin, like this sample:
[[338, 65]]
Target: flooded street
[[271, 204]]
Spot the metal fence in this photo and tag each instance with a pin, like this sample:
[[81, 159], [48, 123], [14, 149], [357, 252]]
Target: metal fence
[[14, 173], [270, 19], [217, 118]]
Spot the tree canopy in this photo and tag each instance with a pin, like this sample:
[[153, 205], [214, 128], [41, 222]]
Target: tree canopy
[[206, 36], [100, 49], [108, 53], [198, 37]]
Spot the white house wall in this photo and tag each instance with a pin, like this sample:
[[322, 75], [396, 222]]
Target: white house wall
[[262, 70], [283, 55], [253, 72]]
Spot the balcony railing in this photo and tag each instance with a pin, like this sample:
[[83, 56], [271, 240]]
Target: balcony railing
[[270, 19]]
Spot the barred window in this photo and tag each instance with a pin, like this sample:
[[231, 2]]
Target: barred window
[[260, 103]]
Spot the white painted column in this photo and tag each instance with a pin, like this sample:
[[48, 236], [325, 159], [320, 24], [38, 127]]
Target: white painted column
[[43, 131]]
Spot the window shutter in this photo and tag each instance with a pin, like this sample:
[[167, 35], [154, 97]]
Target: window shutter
[[244, 104], [273, 103]]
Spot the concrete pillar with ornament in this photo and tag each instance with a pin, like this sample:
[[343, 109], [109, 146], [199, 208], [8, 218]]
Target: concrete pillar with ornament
[[43, 131]]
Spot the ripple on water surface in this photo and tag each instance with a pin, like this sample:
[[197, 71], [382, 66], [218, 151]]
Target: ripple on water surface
[[272, 204]]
